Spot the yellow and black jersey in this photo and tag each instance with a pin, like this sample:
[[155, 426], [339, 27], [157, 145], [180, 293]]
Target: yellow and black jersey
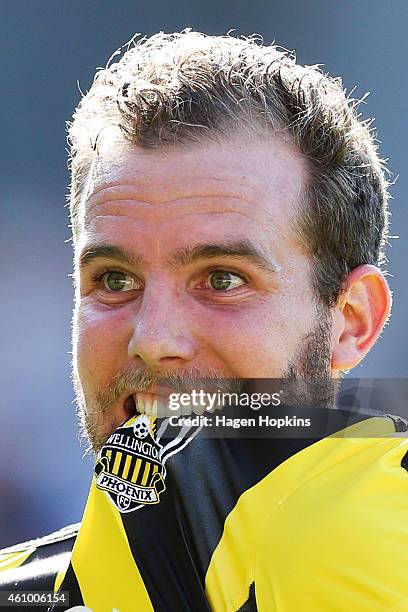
[[198, 523], [37, 565]]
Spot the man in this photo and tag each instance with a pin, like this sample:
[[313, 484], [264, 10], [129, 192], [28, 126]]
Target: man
[[229, 216]]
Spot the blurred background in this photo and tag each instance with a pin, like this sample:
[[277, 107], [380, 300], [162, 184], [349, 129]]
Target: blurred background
[[46, 46]]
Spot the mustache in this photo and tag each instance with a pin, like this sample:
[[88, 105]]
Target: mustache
[[142, 380]]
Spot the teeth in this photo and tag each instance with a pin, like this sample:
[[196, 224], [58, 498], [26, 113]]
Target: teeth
[[141, 402], [158, 406], [150, 404]]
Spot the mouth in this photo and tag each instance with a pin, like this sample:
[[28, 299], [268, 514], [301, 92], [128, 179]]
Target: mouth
[[130, 407], [149, 403]]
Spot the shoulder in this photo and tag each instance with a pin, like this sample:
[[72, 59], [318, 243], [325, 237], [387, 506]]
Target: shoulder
[[343, 521], [37, 564]]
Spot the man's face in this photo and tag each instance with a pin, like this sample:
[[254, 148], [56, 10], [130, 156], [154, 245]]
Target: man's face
[[187, 266]]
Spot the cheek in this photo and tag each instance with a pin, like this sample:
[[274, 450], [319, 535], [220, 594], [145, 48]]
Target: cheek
[[258, 341], [100, 341], [251, 342]]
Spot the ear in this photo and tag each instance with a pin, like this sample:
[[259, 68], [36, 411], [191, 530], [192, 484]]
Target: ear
[[359, 316]]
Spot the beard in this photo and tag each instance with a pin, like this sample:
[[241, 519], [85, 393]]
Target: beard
[[96, 422], [307, 380]]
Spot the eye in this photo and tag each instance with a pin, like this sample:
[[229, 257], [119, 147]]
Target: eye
[[221, 280], [118, 282]]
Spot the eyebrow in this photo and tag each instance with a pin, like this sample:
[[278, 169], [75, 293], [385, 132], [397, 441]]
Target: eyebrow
[[107, 251], [241, 249]]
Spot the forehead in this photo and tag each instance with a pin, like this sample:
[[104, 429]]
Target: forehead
[[240, 185], [249, 163]]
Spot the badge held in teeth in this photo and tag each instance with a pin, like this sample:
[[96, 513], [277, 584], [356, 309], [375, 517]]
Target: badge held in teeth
[[129, 466]]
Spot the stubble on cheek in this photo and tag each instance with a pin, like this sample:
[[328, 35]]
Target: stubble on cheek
[[93, 409], [94, 424], [308, 375]]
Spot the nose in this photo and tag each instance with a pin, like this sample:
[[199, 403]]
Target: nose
[[160, 332]]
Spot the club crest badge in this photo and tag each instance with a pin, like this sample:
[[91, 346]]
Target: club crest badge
[[130, 467]]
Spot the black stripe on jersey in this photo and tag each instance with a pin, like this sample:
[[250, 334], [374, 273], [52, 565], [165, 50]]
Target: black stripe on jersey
[[122, 464], [149, 472], [250, 604], [404, 462], [112, 460], [174, 445], [140, 473], [70, 584], [132, 468]]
